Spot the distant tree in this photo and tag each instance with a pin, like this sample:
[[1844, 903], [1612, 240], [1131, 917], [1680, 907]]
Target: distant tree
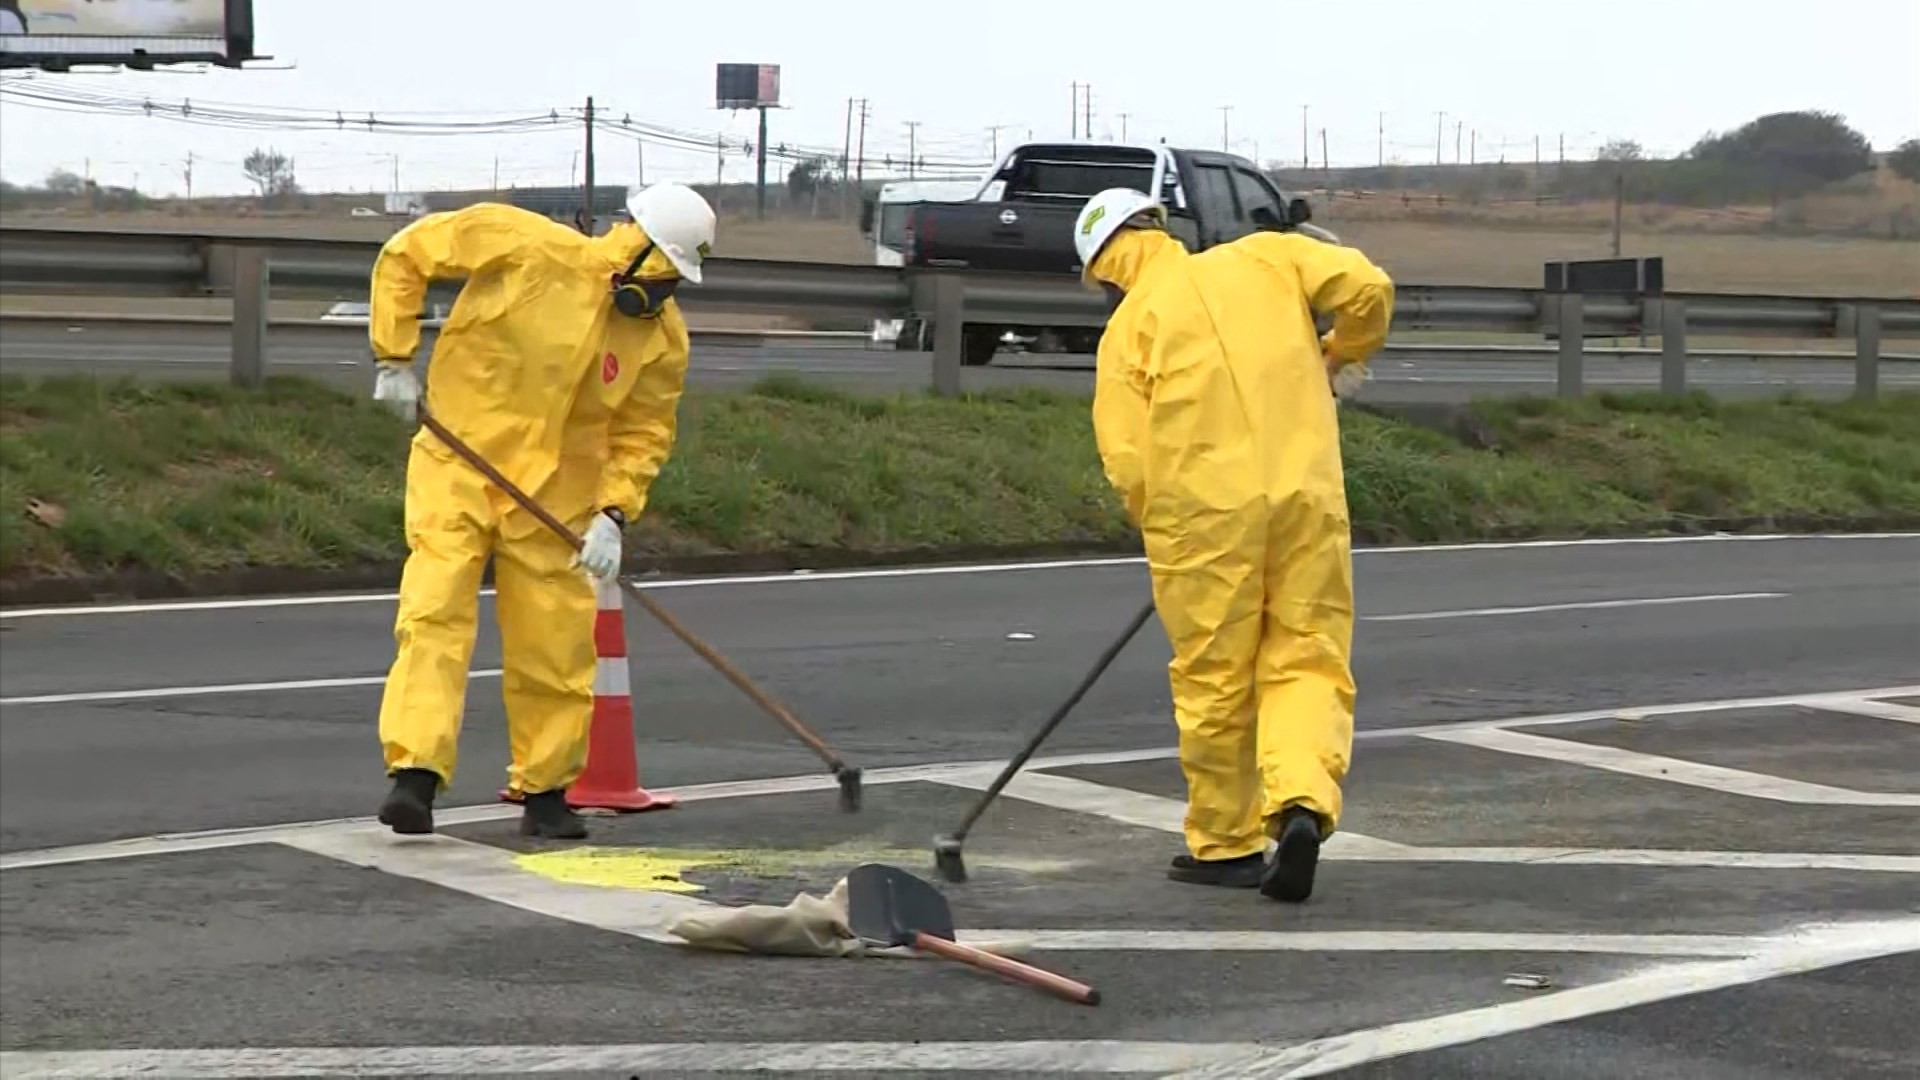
[[1788, 154], [271, 172], [1905, 160], [807, 175], [1622, 150], [65, 182]]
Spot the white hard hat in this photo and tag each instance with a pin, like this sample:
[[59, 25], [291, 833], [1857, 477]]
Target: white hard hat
[[678, 221], [1103, 216]]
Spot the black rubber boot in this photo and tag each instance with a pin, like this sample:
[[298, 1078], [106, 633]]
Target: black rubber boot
[[1289, 876], [549, 817], [1240, 873], [409, 806]]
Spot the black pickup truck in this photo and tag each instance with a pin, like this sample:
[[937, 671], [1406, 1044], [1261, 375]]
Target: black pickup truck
[[1023, 221]]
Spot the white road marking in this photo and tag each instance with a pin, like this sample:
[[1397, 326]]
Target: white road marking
[[488, 872], [1670, 770], [1813, 950], [1128, 807], [216, 688], [211, 839], [1819, 950], [1879, 710], [1672, 858], [214, 839], [804, 576], [639, 1059], [1654, 601], [1690, 945]]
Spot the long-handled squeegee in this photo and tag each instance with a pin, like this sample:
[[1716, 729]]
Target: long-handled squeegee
[[946, 847], [848, 776]]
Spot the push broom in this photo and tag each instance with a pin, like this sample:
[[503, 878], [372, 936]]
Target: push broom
[[847, 776]]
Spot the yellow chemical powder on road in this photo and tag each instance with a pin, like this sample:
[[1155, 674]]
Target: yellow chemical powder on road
[[665, 869], [622, 868]]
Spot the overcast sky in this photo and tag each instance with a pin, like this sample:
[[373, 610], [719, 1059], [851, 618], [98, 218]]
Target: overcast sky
[[1663, 72]]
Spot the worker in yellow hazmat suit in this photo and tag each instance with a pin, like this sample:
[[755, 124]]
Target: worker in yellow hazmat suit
[[1215, 421], [562, 365]]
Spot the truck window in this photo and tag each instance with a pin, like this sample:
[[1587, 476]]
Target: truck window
[[1217, 206], [893, 225], [1254, 191], [1040, 179]]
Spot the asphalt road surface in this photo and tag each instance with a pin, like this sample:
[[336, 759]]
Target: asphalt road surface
[[1617, 809], [340, 356]]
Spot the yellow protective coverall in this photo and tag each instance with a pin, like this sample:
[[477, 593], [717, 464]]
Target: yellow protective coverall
[[1215, 422], [573, 402]]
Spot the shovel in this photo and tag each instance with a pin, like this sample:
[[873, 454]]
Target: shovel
[[888, 905]]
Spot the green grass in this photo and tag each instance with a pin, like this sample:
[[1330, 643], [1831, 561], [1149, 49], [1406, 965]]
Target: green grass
[[184, 479]]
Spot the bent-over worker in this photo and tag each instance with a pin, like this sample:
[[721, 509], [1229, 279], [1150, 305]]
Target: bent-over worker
[[562, 365], [1215, 422]]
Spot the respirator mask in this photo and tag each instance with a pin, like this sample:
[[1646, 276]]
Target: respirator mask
[[639, 299]]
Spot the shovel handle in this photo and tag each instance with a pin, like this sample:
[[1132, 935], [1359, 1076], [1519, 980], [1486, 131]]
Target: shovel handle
[[1058, 985]]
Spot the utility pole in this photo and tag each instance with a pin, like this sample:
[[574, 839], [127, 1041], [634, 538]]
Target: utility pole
[[860, 148], [719, 170], [846, 142], [994, 133], [1381, 136], [1563, 150], [1619, 202], [1439, 126], [1075, 114], [496, 173], [1305, 163], [396, 171], [586, 216], [1459, 129], [913, 147], [1123, 126], [1473, 148], [1086, 105], [760, 178], [1324, 167], [189, 176], [640, 162], [1224, 142]]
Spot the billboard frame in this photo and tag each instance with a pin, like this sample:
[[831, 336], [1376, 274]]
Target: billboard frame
[[766, 82], [233, 49]]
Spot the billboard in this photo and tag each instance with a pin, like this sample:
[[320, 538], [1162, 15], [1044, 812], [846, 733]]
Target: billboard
[[747, 86], [55, 34]]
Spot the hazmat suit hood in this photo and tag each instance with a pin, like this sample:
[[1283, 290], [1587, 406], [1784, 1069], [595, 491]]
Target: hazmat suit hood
[[614, 249], [1134, 254]]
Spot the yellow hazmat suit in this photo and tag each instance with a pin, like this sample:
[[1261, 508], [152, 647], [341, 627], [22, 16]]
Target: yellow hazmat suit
[[574, 403], [1215, 422]]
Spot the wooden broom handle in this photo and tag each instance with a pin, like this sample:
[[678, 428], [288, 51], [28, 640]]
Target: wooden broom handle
[[1058, 985]]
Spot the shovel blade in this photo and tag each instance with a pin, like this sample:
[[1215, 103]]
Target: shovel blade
[[886, 903]]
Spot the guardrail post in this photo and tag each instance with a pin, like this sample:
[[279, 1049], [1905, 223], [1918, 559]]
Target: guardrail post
[[1673, 347], [1572, 331], [250, 285], [949, 332], [1866, 356]]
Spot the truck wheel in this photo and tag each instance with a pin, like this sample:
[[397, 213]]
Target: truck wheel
[[978, 344]]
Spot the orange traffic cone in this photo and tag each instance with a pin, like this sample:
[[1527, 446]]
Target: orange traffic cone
[[611, 780]]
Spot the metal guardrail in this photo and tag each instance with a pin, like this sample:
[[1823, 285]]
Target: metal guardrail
[[251, 269]]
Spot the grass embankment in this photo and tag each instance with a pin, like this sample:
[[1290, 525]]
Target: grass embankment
[[98, 477]]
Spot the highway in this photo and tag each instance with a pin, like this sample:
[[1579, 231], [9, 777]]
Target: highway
[[1673, 780], [339, 356]]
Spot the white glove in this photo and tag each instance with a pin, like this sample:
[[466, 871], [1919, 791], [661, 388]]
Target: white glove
[[397, 386], [1347, 381], [600, 549]]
